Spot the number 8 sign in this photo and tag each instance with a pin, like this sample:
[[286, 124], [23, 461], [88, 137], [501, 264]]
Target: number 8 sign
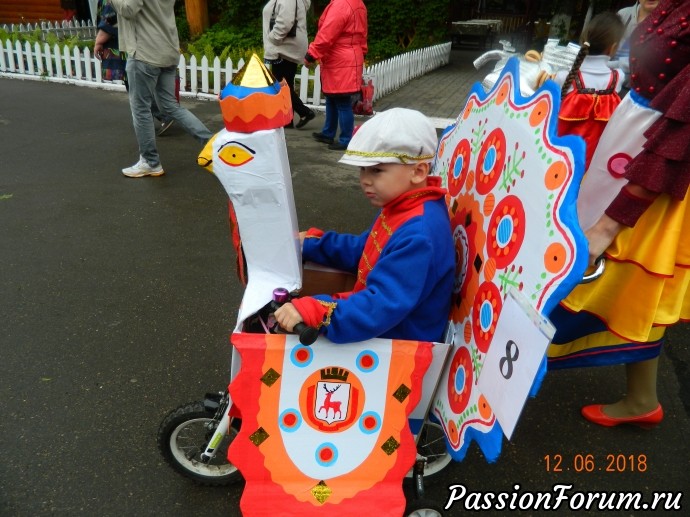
[[513, 359], [512, 354]]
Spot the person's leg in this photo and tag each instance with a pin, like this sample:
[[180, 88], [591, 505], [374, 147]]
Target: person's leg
[[165, 98], [641, 396], [276, 66], [639, 406], [142, 79], [165, 120], [346, 118], [330, 125], [156, 112], [280, 70], [289, 69]]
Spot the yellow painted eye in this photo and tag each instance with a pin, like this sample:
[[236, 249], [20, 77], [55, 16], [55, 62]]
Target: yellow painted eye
[[235, 154]]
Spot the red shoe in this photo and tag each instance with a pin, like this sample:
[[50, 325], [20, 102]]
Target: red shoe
[[595, 413]]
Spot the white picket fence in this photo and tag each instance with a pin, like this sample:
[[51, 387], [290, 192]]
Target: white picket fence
[[202, 78], [62, 29]]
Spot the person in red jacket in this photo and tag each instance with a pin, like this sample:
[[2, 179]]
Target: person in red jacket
[[339, 47]]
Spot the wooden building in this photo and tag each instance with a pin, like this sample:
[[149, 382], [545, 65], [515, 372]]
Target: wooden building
[[29, 11], [32, 11], [530, 20]]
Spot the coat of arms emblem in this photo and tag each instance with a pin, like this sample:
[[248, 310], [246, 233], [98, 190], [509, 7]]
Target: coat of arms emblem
[[332, 400]]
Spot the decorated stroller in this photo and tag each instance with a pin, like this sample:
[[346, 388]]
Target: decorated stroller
[[322, 428]]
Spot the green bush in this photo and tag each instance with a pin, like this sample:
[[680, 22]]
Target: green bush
[[395, 26], [232, 42], [182, 26], [382, 49], [38, 36]]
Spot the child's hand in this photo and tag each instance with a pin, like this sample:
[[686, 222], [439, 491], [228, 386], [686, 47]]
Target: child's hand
[[302, 236], [287, 317]]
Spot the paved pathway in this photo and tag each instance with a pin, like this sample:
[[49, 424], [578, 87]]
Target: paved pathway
[[118, 295], [440, 94]]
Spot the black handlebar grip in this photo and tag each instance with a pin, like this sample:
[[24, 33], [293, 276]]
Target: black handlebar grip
[[307, 335]]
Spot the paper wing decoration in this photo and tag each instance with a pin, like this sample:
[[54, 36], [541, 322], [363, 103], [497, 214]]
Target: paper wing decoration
[[512, 186], [324, 428]]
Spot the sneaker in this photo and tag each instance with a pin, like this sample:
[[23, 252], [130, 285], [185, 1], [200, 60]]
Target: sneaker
[[142, 168], [306, 118], [320, 137], [165, 126]]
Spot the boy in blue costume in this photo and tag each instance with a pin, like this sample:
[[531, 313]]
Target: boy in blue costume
[[405, 263]]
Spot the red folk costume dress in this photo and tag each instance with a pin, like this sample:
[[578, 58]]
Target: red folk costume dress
[[585, 111], [621, 317]]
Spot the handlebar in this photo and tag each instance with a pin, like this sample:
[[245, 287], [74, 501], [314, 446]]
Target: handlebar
[[600, 265], [307, 334]]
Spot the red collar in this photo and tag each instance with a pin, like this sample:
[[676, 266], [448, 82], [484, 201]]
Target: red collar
[[411, 198]]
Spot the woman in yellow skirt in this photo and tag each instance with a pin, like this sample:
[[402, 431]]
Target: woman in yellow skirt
[[635, 209]]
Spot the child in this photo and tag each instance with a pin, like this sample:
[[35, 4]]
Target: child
[[405, 263], [591, 88]]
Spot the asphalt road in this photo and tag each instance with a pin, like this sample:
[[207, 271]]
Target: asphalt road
[[116, 301]]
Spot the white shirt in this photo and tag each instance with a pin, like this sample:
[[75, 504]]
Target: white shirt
[[595, 72]]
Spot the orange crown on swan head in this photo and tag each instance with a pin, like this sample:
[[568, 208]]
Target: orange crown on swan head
[[254, 100]]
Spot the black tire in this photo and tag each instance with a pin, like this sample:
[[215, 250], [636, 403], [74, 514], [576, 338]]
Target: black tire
[[182, 437], [423, 508], [432, 445]]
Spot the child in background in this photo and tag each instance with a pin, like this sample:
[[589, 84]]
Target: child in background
[[106, 47], [405, 263], [590, 88]]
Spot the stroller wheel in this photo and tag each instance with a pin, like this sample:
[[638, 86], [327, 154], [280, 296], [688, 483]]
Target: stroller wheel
[[183, 436], [432, 445], [423, 508]]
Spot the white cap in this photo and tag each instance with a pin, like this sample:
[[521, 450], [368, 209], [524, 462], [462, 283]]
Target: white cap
[[397, 135]]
